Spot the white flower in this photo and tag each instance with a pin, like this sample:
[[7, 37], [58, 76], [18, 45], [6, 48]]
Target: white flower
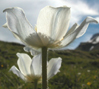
[[31, 69], [51, 29], [79, 73], [88, 70], [32, 51]]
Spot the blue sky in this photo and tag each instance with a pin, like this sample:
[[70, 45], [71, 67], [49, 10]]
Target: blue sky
[[80, 9]]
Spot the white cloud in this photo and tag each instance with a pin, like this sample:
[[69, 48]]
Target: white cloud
[[79, 9], [97, 18], [82, 7]]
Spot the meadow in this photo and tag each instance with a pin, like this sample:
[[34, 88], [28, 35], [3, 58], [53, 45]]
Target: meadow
[[79, 70]]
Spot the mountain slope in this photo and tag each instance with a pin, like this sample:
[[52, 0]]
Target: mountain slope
[[78, 68], [92, 44]]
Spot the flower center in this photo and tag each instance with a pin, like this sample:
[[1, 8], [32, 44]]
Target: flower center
[[38, 40], [32, 78]]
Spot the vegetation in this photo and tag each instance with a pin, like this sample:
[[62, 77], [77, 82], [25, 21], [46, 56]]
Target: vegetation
[[79, 70]]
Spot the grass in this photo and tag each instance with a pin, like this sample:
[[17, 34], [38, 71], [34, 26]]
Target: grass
[[79, 70]]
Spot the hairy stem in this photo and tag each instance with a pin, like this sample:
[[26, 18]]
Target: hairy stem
[[35, 84], [44, 68]]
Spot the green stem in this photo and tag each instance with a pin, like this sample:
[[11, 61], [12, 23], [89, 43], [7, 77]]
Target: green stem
[[44, 68], [35, 84]]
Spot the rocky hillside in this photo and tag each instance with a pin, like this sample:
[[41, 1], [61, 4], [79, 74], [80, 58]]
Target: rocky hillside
[[92, 44]]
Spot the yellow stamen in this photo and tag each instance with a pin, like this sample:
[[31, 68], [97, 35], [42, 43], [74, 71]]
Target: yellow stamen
[[36, 28]]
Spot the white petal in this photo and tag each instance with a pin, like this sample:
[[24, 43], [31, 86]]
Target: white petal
[[78, 32], [24, 63], [72, 29], [53, 67], [17, 22], [5, 25], [84, 25], [17, 72], [18, 37], [36, 65], [15, 34], [20, 27], [44, 39], [34, 40], [32, 51], [53, 22], [69, 38]]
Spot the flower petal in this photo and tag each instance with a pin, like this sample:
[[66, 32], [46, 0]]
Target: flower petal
[[18, 36], [24, 63], [36, 65], [53, 67], [78, 32], [31, 42], [32, 51], [84, 25], [68, 39], [15, 34], [53, 22], [17, 22], [17, 72], [72, 29], [21, 28], [5, 25], [34, 41]]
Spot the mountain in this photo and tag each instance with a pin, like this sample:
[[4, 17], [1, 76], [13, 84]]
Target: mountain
[[92, 44]]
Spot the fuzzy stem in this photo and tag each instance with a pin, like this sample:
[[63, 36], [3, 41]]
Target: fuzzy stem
[[44, 68]]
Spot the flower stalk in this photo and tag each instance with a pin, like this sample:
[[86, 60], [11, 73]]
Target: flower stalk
[[44, 67], [35, 84]]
